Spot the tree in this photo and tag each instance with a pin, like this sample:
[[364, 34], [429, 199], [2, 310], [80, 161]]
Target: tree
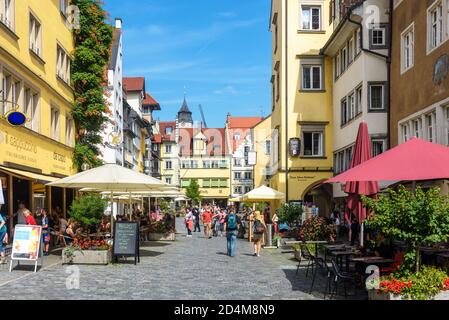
[[88, 209], [93, 41], [193, 192], [420, 218], [289, 213]]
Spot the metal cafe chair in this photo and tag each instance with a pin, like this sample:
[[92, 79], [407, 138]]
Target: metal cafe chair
[[342, 277], [307, 255], [322, 266]]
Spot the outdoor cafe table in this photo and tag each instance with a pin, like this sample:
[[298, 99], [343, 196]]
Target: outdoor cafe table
[[340, 254], [334, 247], [316, 243], [433, 253], [369, 261]]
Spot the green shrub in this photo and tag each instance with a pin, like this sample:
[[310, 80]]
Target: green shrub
[[289, 213], [315, 229], [88, 209]]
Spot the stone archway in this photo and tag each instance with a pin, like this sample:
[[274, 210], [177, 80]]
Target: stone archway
[[321, 195]]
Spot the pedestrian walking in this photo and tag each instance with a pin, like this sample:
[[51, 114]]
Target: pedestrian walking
[[2, 239], [189, 223], [196, 215], [45, 231], [259, 228], [207, 223], [231, 224]]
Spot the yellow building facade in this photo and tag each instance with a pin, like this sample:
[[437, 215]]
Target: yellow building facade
[[263, 147], [36, 44], [301, 119]]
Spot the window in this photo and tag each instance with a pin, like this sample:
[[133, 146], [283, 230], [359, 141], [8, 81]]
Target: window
[[214, 164], [311, 77], [313, 144], [447, 125], [350, 51], [338, 66], [248, 175], [168, 148], [436, 25], [407, 52], [35, 36], [185, 183], [238, 190], [168, 165], [194, 164], [185, 164], [358, 100], [30, 109], [344, 59], [267, 147], [378, 36], [168, 180], [405, 133], [237, 175], [342, 160], [68, 131], [378, 146], [376, 97], [237, 137], [344, 112], [247, 189], [206, 164], [417, 128], [54, 123], [237, 163], [7, 13], [168, 130], [430, 127], [63, 5], [223, 164], [311, 18], [358, 40], [63, 63], [351, 106]]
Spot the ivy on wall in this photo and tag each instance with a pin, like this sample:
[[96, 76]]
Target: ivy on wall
[[93, 41]]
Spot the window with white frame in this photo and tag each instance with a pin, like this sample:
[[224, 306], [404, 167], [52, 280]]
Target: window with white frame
[[378, 36], [407, 48], [405, 132], [435, 25], [238, 190], [168, 180], [311, 18], [63, 63], [237, 163], [417, 128], [68, 131], [35, 35], [342, 160], [237, 175], [344, 111], [313, 144], [54, 123], [268, 147], [358, 39], [358, 100], [248, 175], [168, 148], [338, 65], [350, 50], [351, 106], [311, 77], [7, 13], [431, 127], [63, 6], [168, 165], [186, 164], [376, 97], [344, 59], [378, 146], [31, 109]]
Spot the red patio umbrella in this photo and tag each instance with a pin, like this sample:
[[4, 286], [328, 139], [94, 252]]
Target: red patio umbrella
[[355, 189], [413, 160]]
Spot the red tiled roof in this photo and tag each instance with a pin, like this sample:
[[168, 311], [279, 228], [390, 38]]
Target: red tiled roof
[[150, 101], [157, 138], [162, 127], [134, 84], [244, 122], [216, 140]]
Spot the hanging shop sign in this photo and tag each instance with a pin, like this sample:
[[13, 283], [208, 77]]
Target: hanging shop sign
[[26, 245], [295, 147], [252, 158]]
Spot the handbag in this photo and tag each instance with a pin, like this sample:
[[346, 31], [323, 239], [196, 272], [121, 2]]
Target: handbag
[[5, 239], [259, 227]]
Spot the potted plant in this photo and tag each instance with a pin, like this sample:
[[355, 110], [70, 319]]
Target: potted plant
[[277, 241], [163, 230], [87, 210]]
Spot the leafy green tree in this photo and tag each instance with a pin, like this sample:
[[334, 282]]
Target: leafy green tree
[[289, 213], [88, 209], [193, 192], [93, 41], [418, 219]]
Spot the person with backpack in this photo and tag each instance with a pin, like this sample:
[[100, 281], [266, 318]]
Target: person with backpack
[[231, 226], [259, 228]]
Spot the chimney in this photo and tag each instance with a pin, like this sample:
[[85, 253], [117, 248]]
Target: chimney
[[118, 23]]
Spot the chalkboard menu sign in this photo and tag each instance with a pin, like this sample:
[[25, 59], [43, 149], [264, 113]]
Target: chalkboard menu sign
[[126, 240]]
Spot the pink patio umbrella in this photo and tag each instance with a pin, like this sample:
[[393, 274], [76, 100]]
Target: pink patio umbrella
[[355, 189]]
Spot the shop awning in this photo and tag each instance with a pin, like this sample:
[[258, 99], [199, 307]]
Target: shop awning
[[29, 175]]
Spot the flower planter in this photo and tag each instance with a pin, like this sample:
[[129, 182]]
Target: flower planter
[[375, 295], [92, 257], [162, 236]]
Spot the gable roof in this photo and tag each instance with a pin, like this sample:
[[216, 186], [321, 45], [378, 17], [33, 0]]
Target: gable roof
[[215, 138], [134, 84], [150, 101], [243, 122], [163, 125]]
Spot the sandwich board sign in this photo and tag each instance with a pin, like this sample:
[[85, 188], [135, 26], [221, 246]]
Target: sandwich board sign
[[126, 241], [26, 245]]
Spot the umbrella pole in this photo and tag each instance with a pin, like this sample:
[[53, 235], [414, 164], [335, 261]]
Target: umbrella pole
[[112, 214], [130, 208], [362, 230]]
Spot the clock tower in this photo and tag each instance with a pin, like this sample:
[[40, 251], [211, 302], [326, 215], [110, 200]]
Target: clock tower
[[185, 116]]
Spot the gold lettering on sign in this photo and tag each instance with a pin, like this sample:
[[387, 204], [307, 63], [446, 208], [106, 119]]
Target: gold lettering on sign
[[20, 145], [59, 157]]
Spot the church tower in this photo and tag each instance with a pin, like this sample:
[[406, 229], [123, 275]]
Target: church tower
[[185, 116]]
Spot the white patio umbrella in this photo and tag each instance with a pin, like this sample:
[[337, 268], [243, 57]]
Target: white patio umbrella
[[262, 194]]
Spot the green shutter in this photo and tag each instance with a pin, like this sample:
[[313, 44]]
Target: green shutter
[[215, 183], [206, 183], [185, 183], [223, 183]]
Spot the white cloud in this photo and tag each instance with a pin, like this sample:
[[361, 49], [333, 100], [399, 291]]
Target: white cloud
[[226, 90]]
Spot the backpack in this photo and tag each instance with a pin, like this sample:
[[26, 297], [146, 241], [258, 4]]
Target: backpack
[[259, 227], [232, 222]]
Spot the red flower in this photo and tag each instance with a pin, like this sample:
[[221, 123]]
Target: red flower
[[446, 284]]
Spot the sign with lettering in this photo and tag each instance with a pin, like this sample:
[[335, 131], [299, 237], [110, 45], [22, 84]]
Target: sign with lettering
[[27, 244], [295, 147], [126, 240]]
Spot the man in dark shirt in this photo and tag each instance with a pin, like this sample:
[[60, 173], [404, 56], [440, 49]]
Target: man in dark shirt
[[196, 214], [231, 224]]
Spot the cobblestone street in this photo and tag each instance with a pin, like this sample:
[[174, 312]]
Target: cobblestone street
[[190, 268]]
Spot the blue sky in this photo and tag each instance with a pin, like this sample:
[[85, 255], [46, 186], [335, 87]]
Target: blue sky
[[220, 50]]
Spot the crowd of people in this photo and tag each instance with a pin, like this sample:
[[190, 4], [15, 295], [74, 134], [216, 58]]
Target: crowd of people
[[229, 222]]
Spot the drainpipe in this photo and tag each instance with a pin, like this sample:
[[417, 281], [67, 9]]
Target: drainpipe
[[286, 101]]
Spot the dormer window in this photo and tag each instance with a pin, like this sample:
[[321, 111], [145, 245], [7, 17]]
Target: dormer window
[[168, 130]]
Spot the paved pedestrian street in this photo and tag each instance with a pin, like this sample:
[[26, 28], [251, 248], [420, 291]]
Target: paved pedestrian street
[[189, 268]]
